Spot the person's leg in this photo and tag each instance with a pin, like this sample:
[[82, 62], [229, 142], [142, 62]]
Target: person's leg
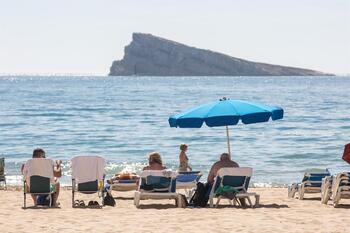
[[56, 193], [34, 197]]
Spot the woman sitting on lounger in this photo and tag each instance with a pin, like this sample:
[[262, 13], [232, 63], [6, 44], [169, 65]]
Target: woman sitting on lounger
[[154, 162]]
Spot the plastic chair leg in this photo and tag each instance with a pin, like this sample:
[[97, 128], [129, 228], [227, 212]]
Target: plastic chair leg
[[24, 200], [250, 202], [211, 201], [137, 199], [218, 201]]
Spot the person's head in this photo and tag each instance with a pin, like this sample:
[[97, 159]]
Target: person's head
[[225, 157], [183, 147], [154, 157], [38, 153]]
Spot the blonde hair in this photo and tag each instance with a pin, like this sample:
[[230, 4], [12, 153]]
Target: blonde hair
[[183, 147], [155, 157]]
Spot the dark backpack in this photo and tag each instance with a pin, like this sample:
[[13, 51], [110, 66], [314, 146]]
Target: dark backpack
[[201, 196], [109, 200]]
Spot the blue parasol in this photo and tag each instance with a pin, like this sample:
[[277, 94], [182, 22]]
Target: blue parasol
[[225, 112]]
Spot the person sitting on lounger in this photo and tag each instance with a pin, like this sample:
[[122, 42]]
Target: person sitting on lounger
[[154, 162], [124, 175], [57, 172], [225, 161], [184, 167]]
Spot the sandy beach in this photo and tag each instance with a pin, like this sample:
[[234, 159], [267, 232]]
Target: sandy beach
[[277, 213]]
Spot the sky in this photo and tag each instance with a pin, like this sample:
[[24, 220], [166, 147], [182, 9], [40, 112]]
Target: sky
[[85, 36]]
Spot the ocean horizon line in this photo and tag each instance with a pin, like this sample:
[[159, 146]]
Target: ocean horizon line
[[96, 75]]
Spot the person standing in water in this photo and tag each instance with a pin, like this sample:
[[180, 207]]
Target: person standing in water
[[184, 167]]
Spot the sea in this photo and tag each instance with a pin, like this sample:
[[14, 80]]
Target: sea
[[123, 119]]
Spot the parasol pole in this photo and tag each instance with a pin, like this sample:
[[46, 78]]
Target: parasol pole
[[228, 141]]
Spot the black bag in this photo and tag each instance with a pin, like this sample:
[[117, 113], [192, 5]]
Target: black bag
[[201, 196], [109, 200]]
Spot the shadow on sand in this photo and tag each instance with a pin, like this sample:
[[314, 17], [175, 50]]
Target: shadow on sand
[[158, 206], [40, 207], [270, 206], [170, 206], [311, 199], [342, 206], [123, 198]]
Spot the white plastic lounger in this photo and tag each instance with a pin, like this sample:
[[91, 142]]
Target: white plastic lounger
[[88, 176], [311, 183], [237, 178], [157, 185], [336, 188], [341, 188], [188, 181], [326, 189]]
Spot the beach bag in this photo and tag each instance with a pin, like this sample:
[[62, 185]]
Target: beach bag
[[201, 196], [346, 155], [109, 200], [43, 200]]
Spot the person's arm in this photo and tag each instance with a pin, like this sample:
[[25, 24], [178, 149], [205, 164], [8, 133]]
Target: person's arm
[[57, 171], [22, 168], [211, 175]]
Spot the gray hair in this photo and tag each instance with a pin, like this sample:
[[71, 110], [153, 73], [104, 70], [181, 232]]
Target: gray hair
[[225, 156]]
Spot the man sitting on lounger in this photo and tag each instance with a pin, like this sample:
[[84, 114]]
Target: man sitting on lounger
[[225, 161], [57, 172]]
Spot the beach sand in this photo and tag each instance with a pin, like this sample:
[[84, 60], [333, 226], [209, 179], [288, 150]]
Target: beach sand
[[277, 213]]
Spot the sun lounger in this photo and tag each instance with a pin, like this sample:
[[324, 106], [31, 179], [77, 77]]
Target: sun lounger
[[124, 185], [2, 172], [88, 176], [336, 188], [157, 185], [188, 181], [341, 188], [326, 189], [38, 178], [311, 183], [236, 178]]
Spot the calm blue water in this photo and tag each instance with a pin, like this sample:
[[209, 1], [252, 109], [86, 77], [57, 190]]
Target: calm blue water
[[125, 118]]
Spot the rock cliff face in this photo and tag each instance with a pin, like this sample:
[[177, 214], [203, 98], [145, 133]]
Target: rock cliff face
[[154, 56]]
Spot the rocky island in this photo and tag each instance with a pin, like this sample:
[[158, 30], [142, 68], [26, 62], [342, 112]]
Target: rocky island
[[149, 55]]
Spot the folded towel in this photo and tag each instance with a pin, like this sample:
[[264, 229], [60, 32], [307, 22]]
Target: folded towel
[[87, 168], [38, 167]]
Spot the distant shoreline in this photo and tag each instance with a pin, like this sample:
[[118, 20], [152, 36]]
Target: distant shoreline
[[166, 76]]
